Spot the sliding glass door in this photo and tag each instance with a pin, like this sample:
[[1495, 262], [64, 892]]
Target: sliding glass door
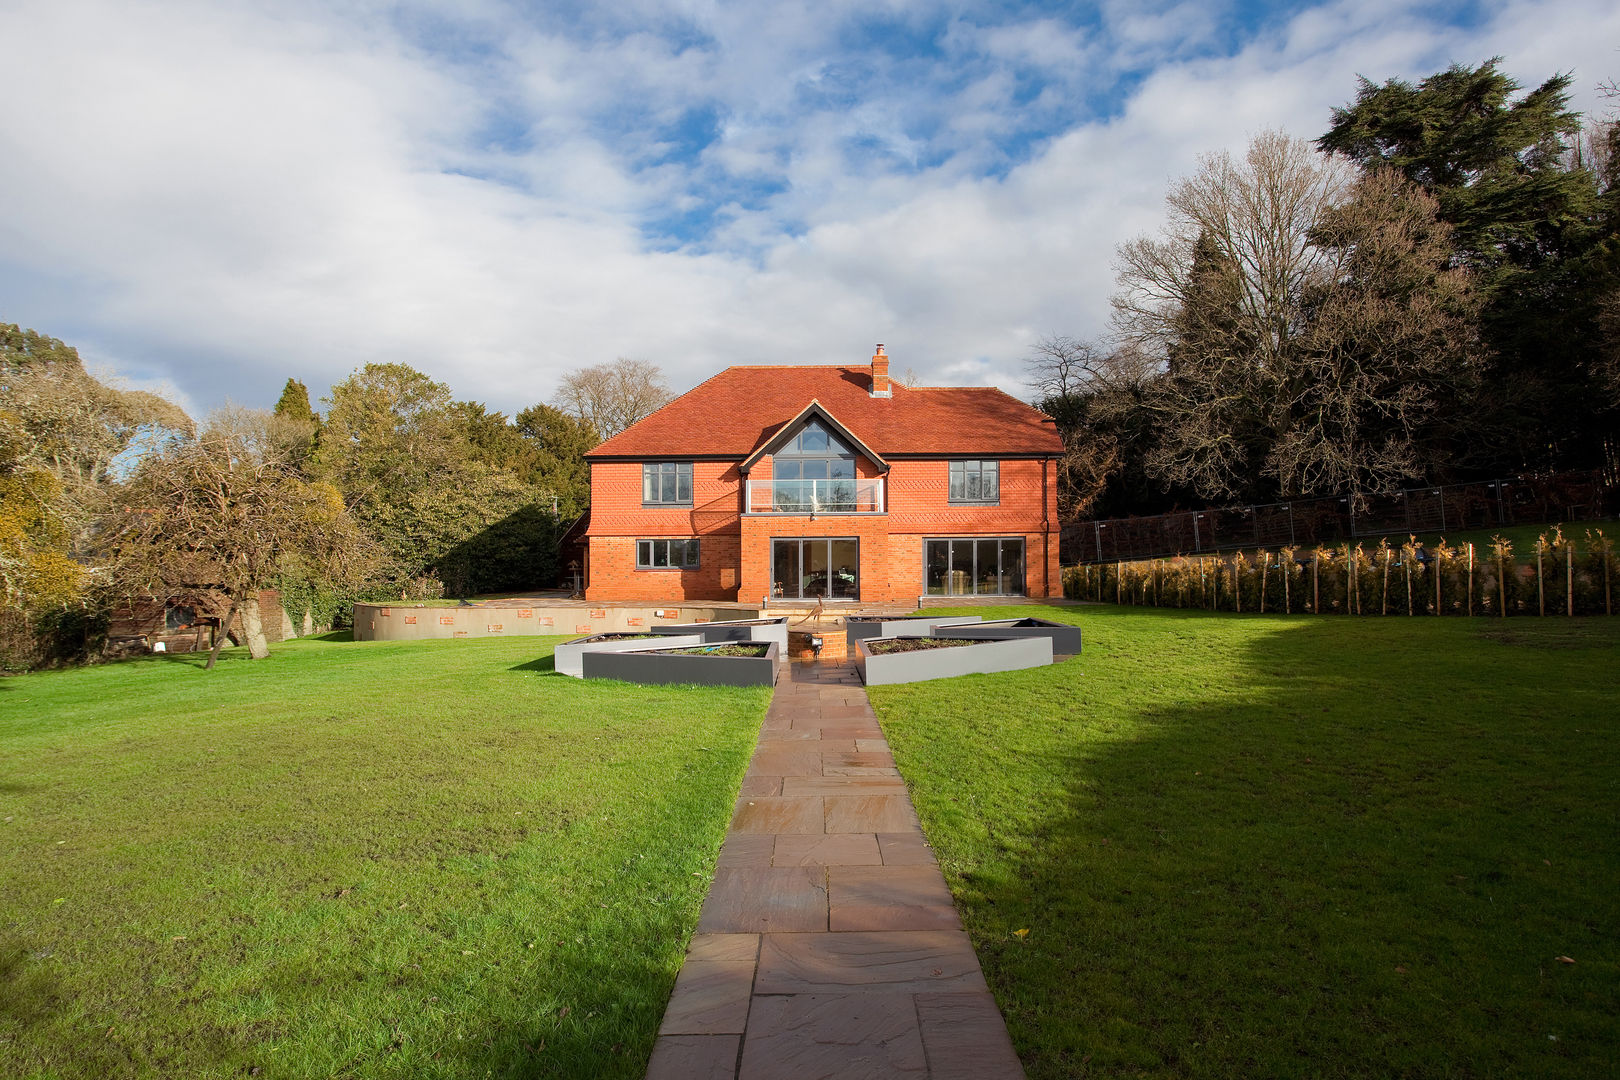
[[977, 567], [816, 568]]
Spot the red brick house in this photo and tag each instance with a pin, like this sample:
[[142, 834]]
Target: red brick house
[[809, 483]]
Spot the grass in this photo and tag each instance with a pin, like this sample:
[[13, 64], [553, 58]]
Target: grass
[[422, 859], [1218, 845]]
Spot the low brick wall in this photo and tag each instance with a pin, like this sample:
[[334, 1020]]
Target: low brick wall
[[403, 622]]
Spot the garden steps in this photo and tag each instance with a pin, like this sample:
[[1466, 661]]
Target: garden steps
[[828, 945]]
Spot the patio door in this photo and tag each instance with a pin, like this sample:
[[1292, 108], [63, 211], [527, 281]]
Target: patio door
[[975, 567], [815, 568]]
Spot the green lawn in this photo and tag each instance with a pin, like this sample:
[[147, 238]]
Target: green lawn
[[364, 860], [1263, 847]]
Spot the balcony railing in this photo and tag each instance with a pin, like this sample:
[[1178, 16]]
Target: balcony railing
[[815, 497]]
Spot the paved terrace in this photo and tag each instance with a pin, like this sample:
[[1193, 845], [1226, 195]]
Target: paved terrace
[[829, 945]]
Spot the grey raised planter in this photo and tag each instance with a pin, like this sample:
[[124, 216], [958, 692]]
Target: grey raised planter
[[905, 626], [1065, 638], [1008, 654], [569, 656], [733, 630], [644, 666]]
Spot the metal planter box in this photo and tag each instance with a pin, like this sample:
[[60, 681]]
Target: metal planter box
[[1065, 638], [644, 666], [568, 658], [905, 626], [990, 655], [733, 630]]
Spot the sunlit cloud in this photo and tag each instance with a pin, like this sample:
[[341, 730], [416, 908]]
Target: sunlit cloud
[[220, 196]]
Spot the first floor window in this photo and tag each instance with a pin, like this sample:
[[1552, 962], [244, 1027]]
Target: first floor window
[[666, 554], [666, 483], [975, 482]]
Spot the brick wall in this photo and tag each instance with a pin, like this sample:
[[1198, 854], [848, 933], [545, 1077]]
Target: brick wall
[[614, 576], [736, 560]]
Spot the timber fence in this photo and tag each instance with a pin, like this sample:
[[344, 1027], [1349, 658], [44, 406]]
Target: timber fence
[[1554, 576], [1337, 519]]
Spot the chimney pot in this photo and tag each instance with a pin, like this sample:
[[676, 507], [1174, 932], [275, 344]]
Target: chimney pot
[[880, 374]]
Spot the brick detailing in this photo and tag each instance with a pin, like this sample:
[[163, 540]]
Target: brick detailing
[[735, 561]]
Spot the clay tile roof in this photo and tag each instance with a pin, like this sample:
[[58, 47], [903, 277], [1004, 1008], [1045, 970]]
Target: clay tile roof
[[738, 410]]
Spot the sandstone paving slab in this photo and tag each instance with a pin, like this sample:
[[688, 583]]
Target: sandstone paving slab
[[789, 735], [851, 729], [724, 947], [843, 785], [786, 759], [710, 998], [966, 1038], [762, 785], [858, 770], [889, 898], [918, 884], [748, 899], [694, 1057], [869, 813], [828, 939], [913, 961], [856, 759], [746, 849], [780, 815], [834, 1037], [841, 849], [905, 849]]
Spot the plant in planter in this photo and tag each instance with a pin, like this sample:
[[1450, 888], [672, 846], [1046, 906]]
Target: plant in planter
[[883, 661], [724, 663], [568, 658]]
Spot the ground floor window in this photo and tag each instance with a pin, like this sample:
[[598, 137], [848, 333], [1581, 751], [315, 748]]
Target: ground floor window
[[813, 568], [974, 567], [666, 554]]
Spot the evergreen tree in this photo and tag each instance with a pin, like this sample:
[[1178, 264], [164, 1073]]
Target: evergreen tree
[[1527, 217], [294, 403]]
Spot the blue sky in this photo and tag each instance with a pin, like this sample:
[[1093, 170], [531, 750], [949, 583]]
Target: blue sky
[[211, 197]]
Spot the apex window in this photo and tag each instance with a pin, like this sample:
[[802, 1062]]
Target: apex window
[[975, 482], [666, 554], [666, 483]]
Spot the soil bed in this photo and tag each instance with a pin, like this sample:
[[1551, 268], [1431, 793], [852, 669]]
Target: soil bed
[[916, 644], [739, 649]]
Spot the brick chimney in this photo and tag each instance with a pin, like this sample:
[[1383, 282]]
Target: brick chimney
[[880, 374]]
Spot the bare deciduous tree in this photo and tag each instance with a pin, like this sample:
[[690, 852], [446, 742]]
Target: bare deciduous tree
[[611, 397], [1391, 348], [1248, 221], [1309, 326], [225, 509], [1079, 383]]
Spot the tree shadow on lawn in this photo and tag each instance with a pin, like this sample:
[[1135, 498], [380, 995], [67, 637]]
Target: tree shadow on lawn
[[1361, 855]]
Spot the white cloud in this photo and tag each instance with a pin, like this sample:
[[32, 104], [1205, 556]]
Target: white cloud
[[222, 197]]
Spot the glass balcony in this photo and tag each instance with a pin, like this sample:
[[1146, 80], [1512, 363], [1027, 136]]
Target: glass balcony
[[815, 497]]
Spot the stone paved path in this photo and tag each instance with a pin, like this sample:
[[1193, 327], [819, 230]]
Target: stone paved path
[[829, 945]]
